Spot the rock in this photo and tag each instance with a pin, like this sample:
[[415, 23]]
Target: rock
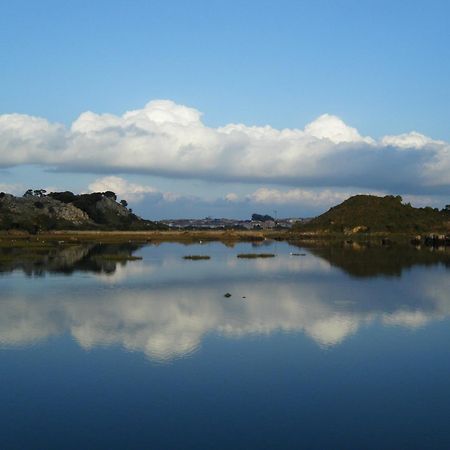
[[358, 229], [67, 211]]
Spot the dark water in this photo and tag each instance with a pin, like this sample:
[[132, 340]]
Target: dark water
[[339, 348]]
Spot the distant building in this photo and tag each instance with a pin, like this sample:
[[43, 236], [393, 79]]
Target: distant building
[[225, 224]]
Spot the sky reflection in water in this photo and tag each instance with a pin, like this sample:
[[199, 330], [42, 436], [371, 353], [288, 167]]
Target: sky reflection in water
[[340, 348], [164, 306]]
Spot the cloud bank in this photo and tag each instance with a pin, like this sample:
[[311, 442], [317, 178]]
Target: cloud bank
[[262, 199], [168, 139]]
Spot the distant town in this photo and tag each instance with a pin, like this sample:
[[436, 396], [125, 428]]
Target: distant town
[[257, 222]]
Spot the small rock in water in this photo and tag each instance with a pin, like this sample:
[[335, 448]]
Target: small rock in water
[[227, 295]]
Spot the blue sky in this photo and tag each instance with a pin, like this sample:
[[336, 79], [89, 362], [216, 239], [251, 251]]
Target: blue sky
[[381, 67]]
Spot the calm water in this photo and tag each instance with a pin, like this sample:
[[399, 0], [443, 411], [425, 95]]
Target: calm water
[[331, 349]]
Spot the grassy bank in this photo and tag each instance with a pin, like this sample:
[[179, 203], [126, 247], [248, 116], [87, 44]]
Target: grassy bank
[[65, 237], [229, 237]]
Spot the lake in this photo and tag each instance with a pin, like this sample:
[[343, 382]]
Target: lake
[[316, 348]]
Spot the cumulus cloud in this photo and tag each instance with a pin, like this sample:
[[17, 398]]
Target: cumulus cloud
[[335, 130], [168, 139], [137, 192], [123, 188]]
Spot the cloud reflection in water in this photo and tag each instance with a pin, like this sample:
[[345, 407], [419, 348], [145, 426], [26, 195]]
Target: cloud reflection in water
[[165, 307]]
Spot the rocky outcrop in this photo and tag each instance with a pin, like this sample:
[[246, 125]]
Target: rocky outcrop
[[66, 211], [33, 213]]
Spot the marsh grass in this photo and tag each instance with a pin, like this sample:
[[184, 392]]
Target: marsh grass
[[196, 257], [58, 238], [255, 255]]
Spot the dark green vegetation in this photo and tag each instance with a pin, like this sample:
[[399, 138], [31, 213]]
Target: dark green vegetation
[[196, 257], [368, 261], [37, 258], [369, 213], [98, 217], [255, 255], [37, 211], [262, 218]]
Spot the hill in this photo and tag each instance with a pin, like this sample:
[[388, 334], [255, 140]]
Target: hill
[[370, 213], [37, 211]]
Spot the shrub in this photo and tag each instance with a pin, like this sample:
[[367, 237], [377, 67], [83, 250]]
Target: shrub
[[110, 194], [64, 197]]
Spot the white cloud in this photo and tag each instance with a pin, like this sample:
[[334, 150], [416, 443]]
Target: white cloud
[[298, 196], [168, 139], [333, 128], [231, 197], [298, 200], [409, 140], [124, 189]]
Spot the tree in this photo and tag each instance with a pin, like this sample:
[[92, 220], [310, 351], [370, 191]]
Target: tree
[[124, 203], [110, 194], [261, 218], [65, 197], [28, 193], [39, 192]]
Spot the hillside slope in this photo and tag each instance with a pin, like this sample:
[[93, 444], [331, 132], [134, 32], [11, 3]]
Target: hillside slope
[[370, 213], [36, 211]]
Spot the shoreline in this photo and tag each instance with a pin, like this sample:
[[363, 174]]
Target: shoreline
[[22, 238]]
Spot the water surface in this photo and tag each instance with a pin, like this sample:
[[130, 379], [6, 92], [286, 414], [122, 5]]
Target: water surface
[[331, 348]]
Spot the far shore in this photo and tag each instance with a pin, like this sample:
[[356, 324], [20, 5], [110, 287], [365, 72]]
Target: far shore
[[21, 238], [141, 236]]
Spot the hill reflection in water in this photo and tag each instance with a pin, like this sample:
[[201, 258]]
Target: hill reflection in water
[[164, 306]]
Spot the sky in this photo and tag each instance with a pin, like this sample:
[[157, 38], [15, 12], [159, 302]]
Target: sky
[[213, 108]]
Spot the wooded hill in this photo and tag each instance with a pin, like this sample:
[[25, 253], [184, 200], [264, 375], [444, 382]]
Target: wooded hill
[[370, 213], [38, 211]]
